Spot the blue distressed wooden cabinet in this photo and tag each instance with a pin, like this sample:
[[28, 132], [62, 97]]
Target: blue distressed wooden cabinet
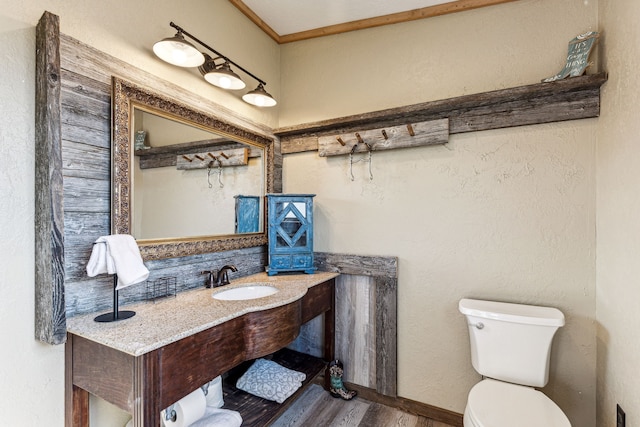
[[290, 220]]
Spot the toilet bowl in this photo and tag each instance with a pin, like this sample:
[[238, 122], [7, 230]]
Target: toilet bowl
[[511, 348], [494, 403]]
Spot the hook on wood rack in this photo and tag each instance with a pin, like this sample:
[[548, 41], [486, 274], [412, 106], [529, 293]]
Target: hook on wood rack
[[403, 136], [228, 157], [367, 141]]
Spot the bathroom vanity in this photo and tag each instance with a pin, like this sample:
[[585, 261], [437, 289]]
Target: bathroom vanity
[[144, 364]]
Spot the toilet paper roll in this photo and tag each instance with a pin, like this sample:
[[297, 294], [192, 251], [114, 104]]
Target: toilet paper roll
[[214, 393], [189, 409]]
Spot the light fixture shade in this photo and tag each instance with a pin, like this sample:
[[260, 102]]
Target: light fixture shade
[[221, 75], [177, 51], [259, 97]]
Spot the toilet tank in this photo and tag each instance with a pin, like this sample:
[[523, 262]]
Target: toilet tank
[[511, 342]]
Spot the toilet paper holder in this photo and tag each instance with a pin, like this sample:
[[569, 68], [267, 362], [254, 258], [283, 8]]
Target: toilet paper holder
[[170, 413]]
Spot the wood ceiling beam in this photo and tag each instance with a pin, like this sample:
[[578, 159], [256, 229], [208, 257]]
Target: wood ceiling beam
[[395, 18]]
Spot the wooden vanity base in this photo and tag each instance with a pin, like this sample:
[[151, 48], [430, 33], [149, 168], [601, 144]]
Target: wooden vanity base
[[144, 385]]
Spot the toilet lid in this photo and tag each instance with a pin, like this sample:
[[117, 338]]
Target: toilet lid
[[494, 403]]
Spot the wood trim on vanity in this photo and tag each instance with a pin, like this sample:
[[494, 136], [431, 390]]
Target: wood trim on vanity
[[112, 376], [80, 400], [145, 392], [330, 325], [76, 401], [318, 299]]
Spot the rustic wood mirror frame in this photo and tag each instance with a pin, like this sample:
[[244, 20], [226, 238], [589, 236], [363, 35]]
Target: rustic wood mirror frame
[[126, 95]]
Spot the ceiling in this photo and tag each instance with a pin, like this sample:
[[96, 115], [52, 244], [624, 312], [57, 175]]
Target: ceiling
[[293, 20]]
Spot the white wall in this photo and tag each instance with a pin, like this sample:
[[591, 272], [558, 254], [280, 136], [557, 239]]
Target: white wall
[[618, 204], [437, 58], [507, 214], [31, 373]]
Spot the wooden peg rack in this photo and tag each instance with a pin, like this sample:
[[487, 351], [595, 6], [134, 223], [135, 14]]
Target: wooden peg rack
[[213, 159], [403, 136]]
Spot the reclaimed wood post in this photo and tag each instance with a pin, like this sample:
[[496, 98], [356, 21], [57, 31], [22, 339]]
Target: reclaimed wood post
[[50, 321]]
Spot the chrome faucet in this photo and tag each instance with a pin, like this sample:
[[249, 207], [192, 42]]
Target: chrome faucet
[[218, 278]]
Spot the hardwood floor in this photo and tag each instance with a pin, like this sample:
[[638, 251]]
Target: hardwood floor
[[316, 408]]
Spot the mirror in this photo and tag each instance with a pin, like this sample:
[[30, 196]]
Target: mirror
[[185, 182], [219, 195]]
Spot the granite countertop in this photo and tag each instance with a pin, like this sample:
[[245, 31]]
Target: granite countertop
[[163, 322]]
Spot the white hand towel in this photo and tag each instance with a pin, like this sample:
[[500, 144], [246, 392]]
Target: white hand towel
[[117, 254], [214, 417]]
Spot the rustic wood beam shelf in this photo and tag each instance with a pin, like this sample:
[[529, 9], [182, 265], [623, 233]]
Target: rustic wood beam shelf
[[157, 157], [569, 99]]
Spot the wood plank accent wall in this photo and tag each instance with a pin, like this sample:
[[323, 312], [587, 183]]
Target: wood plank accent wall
[[568, 99], [356, 328], [366, 320], [73, 144]]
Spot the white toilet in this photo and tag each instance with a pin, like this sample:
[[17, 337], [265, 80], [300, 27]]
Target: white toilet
[[511, 348]]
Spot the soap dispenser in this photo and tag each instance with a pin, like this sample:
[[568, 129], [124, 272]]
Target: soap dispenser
[[209, 282]]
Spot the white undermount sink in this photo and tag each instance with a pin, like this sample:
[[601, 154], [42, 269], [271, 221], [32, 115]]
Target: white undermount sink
[[247, 292]]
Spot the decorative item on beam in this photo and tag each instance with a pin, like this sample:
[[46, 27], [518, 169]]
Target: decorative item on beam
[[216, 70], [213, 159], [577, 56], [430, 132]]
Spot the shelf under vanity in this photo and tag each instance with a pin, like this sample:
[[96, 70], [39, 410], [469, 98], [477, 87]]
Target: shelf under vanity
[[259, 412], [146, 363]]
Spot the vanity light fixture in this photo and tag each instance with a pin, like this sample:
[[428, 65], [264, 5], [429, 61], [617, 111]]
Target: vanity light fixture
[[220, 75], [215, 70], [259, 97], [177, 51]]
